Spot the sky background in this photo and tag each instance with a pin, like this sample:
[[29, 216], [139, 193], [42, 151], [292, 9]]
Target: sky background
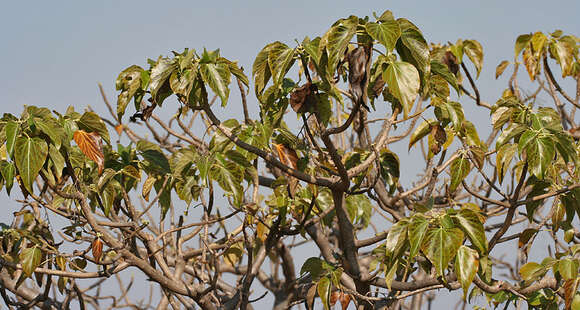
[[53, 53]]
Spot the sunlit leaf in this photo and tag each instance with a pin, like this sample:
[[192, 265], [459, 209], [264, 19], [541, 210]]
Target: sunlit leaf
[[90, 145], [324, 292], [403, 81], [30, 258], [29, 156], [280, 59], [474, 51], [217, 76], [387, 33], [421, 131], [471, 224], [459, 170], [128, 82], [440, 246], [466, 265]]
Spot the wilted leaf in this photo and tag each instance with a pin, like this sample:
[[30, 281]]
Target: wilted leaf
[[501, 68], [303, 98], [90, 145]]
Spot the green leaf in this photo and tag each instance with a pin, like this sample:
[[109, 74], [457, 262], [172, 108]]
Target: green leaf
[[532, 271], [455, 111], [359, 209], [217, 76], [387, 33], [568, 268], [336, 40], [182, 82], [442, 70], [412, 47], [421, 131], [8, 172], [128, 82], [90, 121], [30, 258], [466, 265], [396, 237], [459, 170], [513, 130], [563, 51], [160, 73], [12, 130], [471, 224], [324, 292], [30, 154], [229, 177], [521, 42], [474, 51], [441, 245], [154, 159], [261, 70], [417, 230], [501, 68], [504, 157], [403, 81], [52, 129], [389, 162], [314, 266], [539, 155], [280, 59]]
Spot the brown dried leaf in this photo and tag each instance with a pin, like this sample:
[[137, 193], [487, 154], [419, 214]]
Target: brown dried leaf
[[334, 296], [310, 297], [302, 98], [439, 134], [451, 62], [289, 158], [97, 248], [569, 292], [90, 145], [344, 300], [531, 63]]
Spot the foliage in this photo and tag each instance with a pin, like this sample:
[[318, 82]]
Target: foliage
[[326, 179]]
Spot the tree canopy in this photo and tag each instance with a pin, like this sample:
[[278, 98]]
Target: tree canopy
[[214, 212]]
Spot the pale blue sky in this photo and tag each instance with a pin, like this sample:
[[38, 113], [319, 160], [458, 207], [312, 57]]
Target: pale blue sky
[[53, 53]]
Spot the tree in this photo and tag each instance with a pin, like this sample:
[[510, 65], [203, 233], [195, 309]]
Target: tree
[[315, 168]]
